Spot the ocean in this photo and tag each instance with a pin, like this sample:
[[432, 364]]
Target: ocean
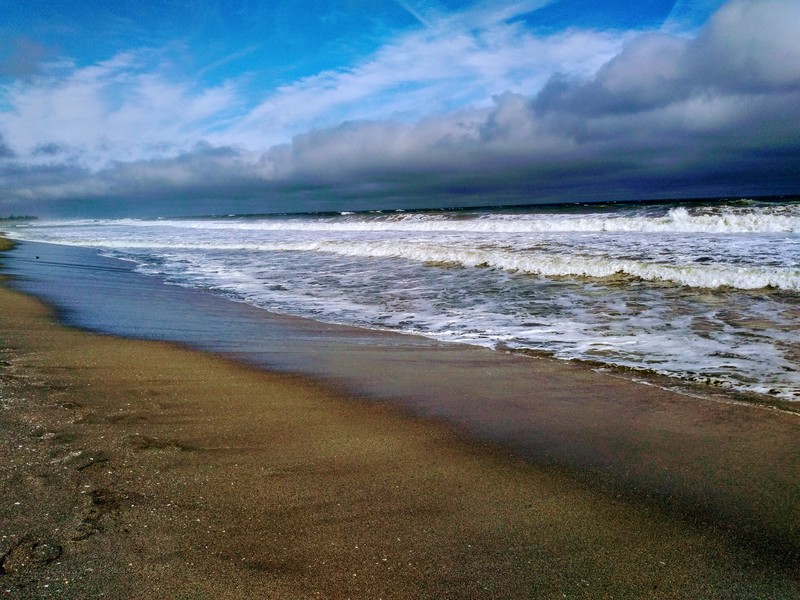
[[703, 292]]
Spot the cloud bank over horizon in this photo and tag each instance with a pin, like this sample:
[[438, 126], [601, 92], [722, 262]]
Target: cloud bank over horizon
[[466, 107]]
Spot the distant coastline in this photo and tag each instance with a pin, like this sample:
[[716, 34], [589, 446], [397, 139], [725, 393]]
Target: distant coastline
[[15, 218]]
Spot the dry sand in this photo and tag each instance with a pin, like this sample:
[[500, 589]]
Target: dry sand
[[135, 469]]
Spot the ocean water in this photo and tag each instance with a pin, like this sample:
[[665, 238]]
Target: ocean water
[[701, 292]]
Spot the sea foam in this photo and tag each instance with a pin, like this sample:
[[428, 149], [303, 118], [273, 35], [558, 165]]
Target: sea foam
[[700, 292]]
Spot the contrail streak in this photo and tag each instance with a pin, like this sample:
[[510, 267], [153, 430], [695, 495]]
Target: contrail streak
[[414, 13]]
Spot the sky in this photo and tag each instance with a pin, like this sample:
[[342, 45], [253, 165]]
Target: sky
[[144, 108]]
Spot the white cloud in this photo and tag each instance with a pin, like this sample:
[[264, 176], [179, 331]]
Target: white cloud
[[423, 73], [751, 44], [136, 106], [125, 108], [495, 110]]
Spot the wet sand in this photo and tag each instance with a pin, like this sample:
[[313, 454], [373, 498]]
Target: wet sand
[[143, 469]]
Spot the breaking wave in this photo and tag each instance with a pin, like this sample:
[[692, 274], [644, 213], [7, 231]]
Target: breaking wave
[[698, 275], [726, 220], [677, 220]]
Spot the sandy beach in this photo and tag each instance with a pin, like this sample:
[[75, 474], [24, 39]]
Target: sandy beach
[[144, 469], [401, 300]]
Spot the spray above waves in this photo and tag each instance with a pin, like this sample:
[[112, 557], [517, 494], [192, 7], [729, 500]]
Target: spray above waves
[[678, 220]]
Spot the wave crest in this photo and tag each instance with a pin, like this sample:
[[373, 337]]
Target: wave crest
[[678, 220]]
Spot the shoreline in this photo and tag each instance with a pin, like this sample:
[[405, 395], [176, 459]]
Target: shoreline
[[293, 479], [639, 376]]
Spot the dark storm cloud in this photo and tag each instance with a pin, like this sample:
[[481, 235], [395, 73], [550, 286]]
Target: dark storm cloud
[[5, 151], [20, 57], [49, 149], [668, 117]]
